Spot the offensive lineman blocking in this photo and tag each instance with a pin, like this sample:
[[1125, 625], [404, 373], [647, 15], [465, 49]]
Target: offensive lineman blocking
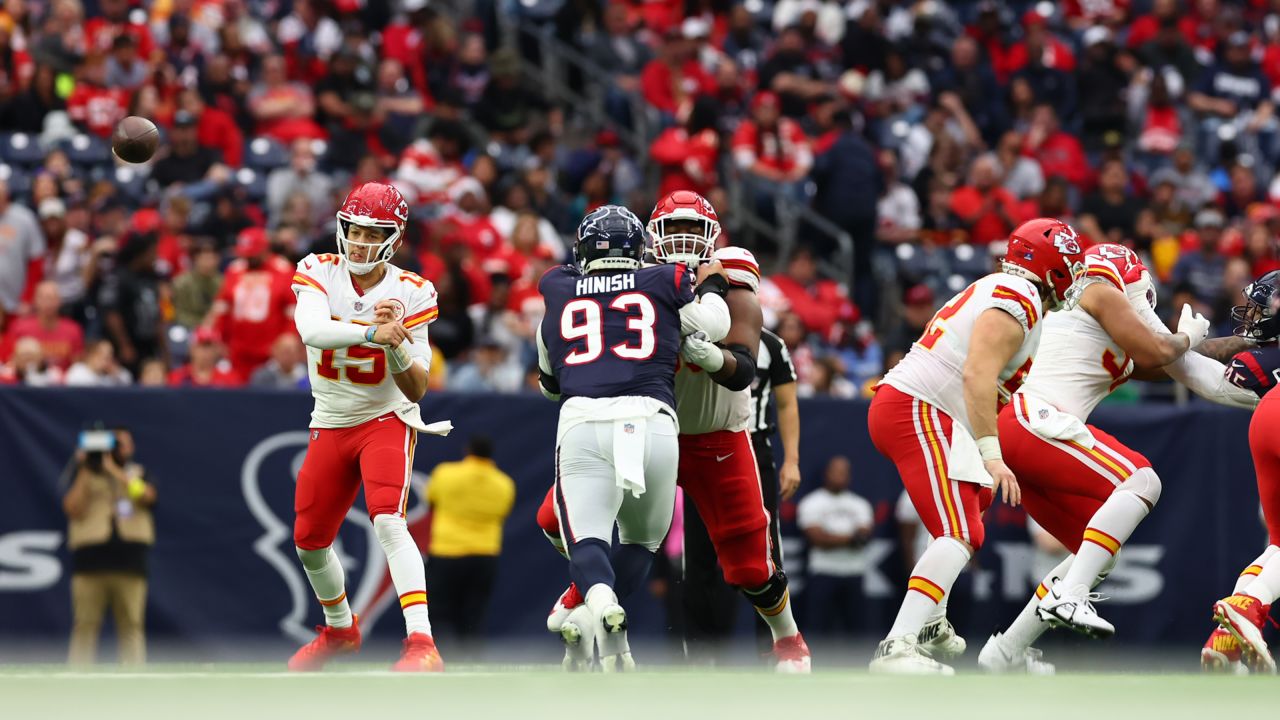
[[364, 322]]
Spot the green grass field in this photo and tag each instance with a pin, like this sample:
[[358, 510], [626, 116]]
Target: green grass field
[[244, 692]]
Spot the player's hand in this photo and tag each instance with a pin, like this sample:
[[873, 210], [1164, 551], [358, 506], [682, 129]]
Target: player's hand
[[391, 335], [710, 267], [697, 350], [1005, 485], [1193, 325], [789, 479], [384, 312]]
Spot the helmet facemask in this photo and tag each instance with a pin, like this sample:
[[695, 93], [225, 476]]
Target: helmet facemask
[[377, 252], [683, 237], [1257, 318]]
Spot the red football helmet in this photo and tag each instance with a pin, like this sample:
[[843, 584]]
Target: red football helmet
[[1046, 251], [683, 244], [372, 205], [1137, 280]]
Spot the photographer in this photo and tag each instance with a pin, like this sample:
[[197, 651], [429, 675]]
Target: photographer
[[110, 531]]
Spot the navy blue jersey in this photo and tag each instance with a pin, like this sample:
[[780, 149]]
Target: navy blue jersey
[[614, 334], [1257, 369]]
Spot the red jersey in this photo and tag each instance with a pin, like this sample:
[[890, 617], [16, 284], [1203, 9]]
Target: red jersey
[[61, 344], [218, 130], [783, 149], [100, 33], [986, 224], [817, 305], [658, 84], [688, 161], [1057, 55], [1061, 154], [98, 109], [254, 307]]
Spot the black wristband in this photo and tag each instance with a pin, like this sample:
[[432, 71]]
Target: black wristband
[[549, 382], [745, 371], [717, 284]]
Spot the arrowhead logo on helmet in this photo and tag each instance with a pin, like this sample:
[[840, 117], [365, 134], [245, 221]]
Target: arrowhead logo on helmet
[[372, 205], [1048, 252]]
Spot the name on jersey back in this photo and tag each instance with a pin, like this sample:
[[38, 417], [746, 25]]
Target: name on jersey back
[[596, 284]]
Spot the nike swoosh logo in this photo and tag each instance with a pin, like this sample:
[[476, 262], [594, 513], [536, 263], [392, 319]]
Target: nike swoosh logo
[[722, 458], [384, 419], [306, 265]]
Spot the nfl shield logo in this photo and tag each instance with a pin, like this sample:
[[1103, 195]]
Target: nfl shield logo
[[628, 428], [315, 434], [359, 306], [1044, 414]]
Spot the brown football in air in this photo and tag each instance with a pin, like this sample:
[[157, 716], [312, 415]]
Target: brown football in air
[[135, 139]]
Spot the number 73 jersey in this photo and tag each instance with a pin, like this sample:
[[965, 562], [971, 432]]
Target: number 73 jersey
[[352, 385], [933, 369]]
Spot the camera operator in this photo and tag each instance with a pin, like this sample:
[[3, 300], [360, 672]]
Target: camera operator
[[110, 531]]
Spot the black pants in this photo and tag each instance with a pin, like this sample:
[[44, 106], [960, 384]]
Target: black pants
[[710, 604], [458, 590], [835, 605]]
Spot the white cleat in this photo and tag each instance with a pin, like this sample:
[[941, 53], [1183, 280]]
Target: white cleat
[[615, 651], [1073, 609], [568, 600], [902, 656], [939, 640], [578, 633], [995, 659]]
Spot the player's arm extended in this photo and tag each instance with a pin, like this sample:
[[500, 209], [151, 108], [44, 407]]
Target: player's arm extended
[[1148, 348], [1224, 348], [318, 329], [734, 365], [1205, 377], [999, 334]]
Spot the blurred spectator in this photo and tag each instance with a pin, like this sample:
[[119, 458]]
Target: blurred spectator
[[66, 252], [791, 75], [469, 500], [100, 31], [772, 150], [1104, 75], [1022, 175], [27, 366], [816, 301], [1163, 46], [26, 111], [688, 154], [281, 108], [397, 108], [898, 209], [674, 78], [153, 374], [61, 340], [21, 250], [129, 302], [206, 368], [828, 380], [848, 184], [95, 107], [287, 368], [618, 51], [195, 290], [491, 369], [988, 210], [1046, 63], [1200, 271], [98, 368], [124, 68], [183, 160], [429, 166], [1234, 93], [1110, 214], [300, 176], [917, 310], [216, 129], [744, 42], [1195, 188], [854, 344], [1058, 152], [837, 524], [897, 91], [510, 109], [973, 81], [254, 305]]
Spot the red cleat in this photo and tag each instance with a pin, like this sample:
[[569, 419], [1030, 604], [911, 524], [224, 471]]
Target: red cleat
[[330, 642], [1221, 654], [420, 655], [792, 655], [565, 604], [1243, 616]]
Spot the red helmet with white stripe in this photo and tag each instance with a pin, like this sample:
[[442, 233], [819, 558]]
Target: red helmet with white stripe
[[372, 205], [1133, 273], [1046, 251], [684, 228]]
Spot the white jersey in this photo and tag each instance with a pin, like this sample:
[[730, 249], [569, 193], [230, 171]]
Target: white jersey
[[353, 385], [702, 404], [1087, 364], [933, 370]]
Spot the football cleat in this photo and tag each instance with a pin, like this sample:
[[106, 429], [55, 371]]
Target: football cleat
[[940, 641], [330, 642], [793, 656], [1073, 609], [615, 652], [565, 604], [994, 658], [420, 655], [1222, 654], [902, 656], [578, 633], [1243, 616]]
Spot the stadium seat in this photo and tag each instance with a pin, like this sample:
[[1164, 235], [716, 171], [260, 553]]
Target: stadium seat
[[130, 182], [917, 262], [21, 149], [264, 155], [87, 150], [18, 180], [970, 261], [254, 183]]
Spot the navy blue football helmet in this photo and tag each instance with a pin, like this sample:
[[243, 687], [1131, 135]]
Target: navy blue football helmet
[[610, 238], [1257, 318]]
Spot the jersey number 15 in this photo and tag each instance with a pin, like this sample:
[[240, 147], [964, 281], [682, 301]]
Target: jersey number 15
[[583, 319]]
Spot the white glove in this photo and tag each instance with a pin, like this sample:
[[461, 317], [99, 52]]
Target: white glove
[[1193, 325], [697, 350]]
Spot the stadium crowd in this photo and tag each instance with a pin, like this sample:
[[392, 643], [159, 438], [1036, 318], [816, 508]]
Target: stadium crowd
[[926, 130]]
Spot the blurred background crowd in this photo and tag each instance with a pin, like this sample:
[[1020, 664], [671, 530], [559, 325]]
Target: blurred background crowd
[[873, 154]]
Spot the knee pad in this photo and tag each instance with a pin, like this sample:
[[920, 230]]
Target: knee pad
[[392, 532], [1144, 483], [314, 560], [770, 594]]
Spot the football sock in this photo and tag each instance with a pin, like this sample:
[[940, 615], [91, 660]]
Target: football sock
[[631, 565], [1108, 529], [1028, 627], [931, 579], [1246, 577], [1266, 587], [328, 581], [773, 603], [589, 563], [407, 571]]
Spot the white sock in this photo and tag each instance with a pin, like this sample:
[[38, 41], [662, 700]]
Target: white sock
[[1266, 586], [407, 571], [939, 612], [328, 581], [1028, 627], [782, 624], [1254, 568], [931, 580], [1108, 529]]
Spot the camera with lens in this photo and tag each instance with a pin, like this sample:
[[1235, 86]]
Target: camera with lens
[[95, 444]]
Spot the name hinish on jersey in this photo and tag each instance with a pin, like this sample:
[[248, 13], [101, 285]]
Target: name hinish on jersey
[[596, 284]]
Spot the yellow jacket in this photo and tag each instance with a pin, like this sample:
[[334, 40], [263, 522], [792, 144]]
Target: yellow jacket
[[470, 499]]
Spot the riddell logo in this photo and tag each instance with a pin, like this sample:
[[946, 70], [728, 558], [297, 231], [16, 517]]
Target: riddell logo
[[369, 585]]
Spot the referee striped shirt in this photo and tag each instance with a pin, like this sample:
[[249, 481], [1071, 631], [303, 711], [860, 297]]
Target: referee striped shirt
[[773, 368]]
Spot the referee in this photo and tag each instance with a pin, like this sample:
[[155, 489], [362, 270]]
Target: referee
[[710, 605]]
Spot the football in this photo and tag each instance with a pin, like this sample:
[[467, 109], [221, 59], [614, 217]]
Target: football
[[135, 139]]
